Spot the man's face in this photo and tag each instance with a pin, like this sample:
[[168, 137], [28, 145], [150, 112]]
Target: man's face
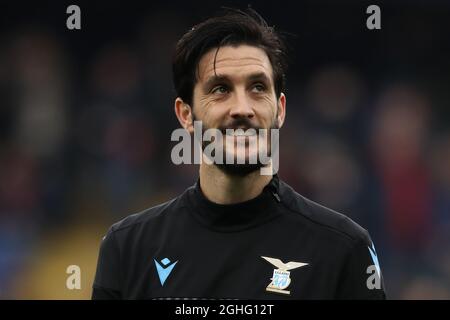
[[237, 94]]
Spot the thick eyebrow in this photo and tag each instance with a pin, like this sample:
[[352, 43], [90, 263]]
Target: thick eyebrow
[[213, 80], [260, 76]]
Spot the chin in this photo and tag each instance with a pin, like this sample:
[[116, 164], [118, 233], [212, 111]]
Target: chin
[[240, 170]]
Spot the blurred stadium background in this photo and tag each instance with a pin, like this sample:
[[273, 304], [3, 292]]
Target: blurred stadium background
[[86, 117]]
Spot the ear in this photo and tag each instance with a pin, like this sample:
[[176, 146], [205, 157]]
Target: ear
[[184, 114], [281, 109]]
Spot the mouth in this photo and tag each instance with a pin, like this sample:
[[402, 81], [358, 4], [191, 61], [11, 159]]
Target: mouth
[[240, 133]]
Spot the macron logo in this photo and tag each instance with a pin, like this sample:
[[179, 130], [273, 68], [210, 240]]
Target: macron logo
[[164, 270]]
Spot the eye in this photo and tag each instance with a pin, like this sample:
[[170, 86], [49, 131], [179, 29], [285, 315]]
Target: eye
[[220, 89], [259, 87]]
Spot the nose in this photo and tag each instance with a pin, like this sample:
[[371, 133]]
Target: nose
[[242, 107]]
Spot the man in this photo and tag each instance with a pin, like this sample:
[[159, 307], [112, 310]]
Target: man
[[237, 233]]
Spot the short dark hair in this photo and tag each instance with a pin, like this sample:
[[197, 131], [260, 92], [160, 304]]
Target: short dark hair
[[232, 27]]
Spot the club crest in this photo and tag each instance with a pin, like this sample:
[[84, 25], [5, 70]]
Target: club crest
[[281, 276]]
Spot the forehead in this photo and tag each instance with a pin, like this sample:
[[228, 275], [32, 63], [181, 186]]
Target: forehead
[[234, 62]]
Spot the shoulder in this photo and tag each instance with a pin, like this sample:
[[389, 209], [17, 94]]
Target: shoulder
[[153, 215], [322, 218]]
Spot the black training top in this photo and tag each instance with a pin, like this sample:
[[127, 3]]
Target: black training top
[[278, 245]]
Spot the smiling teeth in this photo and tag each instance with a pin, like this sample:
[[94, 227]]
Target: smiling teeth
[[242, 134]]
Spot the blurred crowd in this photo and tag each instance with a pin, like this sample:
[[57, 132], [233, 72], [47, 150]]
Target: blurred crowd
[[85, 141]]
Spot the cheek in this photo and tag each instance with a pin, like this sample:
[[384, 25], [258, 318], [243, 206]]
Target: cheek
[[268, 110], [211, 112]]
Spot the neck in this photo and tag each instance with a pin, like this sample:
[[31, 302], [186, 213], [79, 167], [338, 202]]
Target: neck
[[222, 188]]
